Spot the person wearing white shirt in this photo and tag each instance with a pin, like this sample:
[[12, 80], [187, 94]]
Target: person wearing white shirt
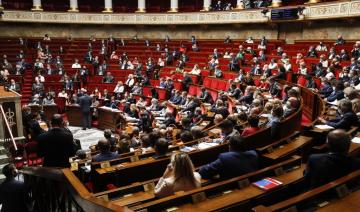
[[321, 47], [40, 78], [160, 62], [273, 65], [302, 69], [287, 66], [324, 61], [76, 64], [63, 94], [130, 81], [329, 74], [119, 88], [196, 70], [249, 40], [130, 65]]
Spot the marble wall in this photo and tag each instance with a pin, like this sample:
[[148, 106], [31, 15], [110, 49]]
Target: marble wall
[[325, 29]]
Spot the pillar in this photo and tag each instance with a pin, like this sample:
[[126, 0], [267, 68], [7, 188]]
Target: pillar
[[141, 6], [207, 4], [108, 6], [174, 6], [276, 3], [240, 5], [73, 6], [1, 7], [37, 5]]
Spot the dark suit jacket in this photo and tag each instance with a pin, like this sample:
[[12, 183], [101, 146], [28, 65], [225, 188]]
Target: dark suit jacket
[[14, 196], [323, 168], [326, 90], [335, 95], [85, 103], [344, 122], [105, 156], [231, 164], [56, 146]]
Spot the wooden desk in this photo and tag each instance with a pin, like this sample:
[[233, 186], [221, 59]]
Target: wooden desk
[[348, 203], [108, 119], [287, 149], [50, 110], [74, 115]]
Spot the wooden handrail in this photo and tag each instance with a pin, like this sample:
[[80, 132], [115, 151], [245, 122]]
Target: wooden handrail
[[309, 194], [66, 179]]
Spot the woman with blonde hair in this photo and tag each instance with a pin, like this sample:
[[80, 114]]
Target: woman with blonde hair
[[179, 176]]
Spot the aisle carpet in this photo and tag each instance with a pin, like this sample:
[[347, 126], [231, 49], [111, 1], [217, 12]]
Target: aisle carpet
[[87, 137]]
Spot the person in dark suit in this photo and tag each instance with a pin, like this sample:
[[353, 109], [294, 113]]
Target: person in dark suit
[[169, 119], [176, 98], [345, 118], [219, 108], [14, 194], [326, 89], [244, 160], [85, 103], [275, 121], [274, 87], [56, 145], [324, 168], [205, 96], [105, 153], [161, 148], [186, 82], [338, 93]]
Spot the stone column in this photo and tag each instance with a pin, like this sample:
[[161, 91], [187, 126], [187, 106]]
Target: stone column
[[207, 4], [73, 6], [1, 7], [19, 120], [276, 3], [108, 6], [240, 5], [174, 6], [37, 5], [141, 6]]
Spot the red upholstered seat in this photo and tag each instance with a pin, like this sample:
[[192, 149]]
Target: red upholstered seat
[[301, 80], [192, 90], [207, 82], [162, 93]]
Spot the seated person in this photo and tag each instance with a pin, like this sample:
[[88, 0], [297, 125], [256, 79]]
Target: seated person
[[109, 78], [338, 93], [274, 121], [324, 168], [105, 153], [253, 121], [244, 160], [345, 117], [227, 130], [178, 176], [161, 148]]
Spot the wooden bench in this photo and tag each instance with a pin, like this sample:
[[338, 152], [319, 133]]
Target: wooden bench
[[236, 192], [349, 201]]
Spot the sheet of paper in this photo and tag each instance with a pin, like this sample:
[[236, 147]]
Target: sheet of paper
[[356, 140], [324, 127]]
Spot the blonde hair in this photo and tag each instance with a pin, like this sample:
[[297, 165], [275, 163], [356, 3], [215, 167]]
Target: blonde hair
[[183, 168]]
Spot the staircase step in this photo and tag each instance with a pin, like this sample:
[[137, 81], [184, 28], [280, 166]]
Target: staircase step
[[4, 159]]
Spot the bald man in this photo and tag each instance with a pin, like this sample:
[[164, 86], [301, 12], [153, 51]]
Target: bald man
[[324, 168]]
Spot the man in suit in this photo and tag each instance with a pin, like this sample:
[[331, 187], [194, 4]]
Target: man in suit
[[227, 130], [345, 118], [186, 82], [56, 145], [324, 168], [205, 96], [85, 102], [14, 194], [238, 161], [338, 93], [14, 86], [105, 153]]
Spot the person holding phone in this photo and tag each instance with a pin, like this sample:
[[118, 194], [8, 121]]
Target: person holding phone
[[178, 176]]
